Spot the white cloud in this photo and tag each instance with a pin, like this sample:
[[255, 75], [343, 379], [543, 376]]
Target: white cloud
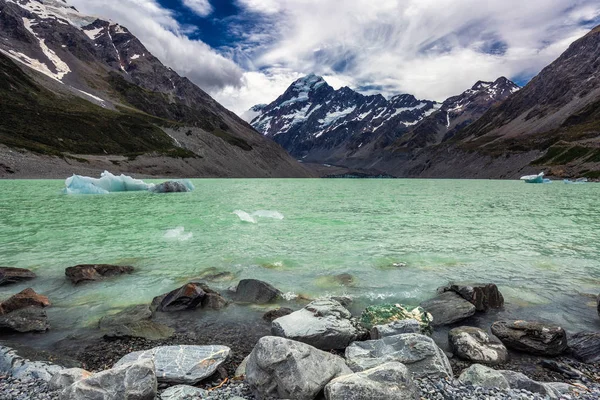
[[160, 32], [200, 7]]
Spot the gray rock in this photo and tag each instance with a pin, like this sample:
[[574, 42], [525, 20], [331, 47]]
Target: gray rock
[[482, 295], [240, 371], [517, 380], [65, 378], [448, 308], [561, 388], [170, 187], [324, 324], [419, 353], [181, 364], [134, 381], [95, 272], [531, 337], [183, 392], [474, 344], [29, 319], [395, 328], [388, 381], [188, 297], [21, 368], [255, 291], [10, 275], [287, 369], [585, 346], [482, 376], [135, 321]]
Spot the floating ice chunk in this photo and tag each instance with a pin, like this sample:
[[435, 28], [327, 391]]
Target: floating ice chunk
[[107, 183], [253, 218], [179, 234], [173, 187]]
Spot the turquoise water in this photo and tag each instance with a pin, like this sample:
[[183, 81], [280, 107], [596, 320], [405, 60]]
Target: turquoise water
[[539, 243]]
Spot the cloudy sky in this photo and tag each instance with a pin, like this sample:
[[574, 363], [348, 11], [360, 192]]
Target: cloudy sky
[[245, 52]]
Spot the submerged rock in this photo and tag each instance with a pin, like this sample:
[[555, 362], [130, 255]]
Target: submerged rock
[[448, 308], [287, 369], [21, 368], [135, 321], [29, 319], [181, 364], [395, 328], [324, 324], [473, 344], [344, 279], [585, 346], [531, 337], [419, 353], [255, 291], [95, 272], [387, 381], [10, 275], [23, 299], [128, 381], [272, 315], [385, 313], [482, 295], [189, 297]]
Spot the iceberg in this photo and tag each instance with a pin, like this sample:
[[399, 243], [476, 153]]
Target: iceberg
[[539, 178], [109, 183]]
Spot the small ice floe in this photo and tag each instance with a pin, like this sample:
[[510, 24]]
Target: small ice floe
[[178, 234], [109, 183], [578, 181], [253, 218], [539, 178]]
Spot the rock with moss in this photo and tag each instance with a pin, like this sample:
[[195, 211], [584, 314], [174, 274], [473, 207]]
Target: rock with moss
[[385, 313]]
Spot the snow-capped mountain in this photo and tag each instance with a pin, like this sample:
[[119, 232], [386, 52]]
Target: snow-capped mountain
[[457, 112], [139, 105], [314, 122]]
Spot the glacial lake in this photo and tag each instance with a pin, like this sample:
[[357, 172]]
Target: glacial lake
[[539, 243]]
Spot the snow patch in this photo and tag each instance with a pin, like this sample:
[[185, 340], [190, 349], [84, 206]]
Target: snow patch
[[135, 57], [91, 95], [94, 33]]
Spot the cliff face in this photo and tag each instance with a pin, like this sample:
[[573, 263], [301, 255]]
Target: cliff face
[[77, 86]]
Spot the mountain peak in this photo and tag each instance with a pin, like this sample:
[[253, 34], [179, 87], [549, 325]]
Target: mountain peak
[[310, 81]]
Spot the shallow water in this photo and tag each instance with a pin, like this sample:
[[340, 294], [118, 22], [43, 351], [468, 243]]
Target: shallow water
[[539, 243]]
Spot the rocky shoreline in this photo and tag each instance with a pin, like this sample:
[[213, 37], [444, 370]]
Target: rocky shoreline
[[311, 348]]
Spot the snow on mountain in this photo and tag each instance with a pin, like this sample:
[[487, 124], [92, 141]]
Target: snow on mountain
[[314, 122]]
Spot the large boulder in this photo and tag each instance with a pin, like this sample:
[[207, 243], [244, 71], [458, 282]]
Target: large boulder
[[65, 378], [183, 392], [395, 328], [23, 299], [419, 353], [23, 369], [181, 364], [324, 324], [482, 376], [135, 321], [95, 272], [474, 344], [448, 308], [188, 297], [255, 291], [531, 337], [170, 187], [389, 381], [10, 275], [517, 380], [383, 314], [585, 346], [126, 382], [482, 295], [29, 319], [287, 369]]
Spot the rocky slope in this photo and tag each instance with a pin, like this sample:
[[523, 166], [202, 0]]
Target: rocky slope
[[77, 86]]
